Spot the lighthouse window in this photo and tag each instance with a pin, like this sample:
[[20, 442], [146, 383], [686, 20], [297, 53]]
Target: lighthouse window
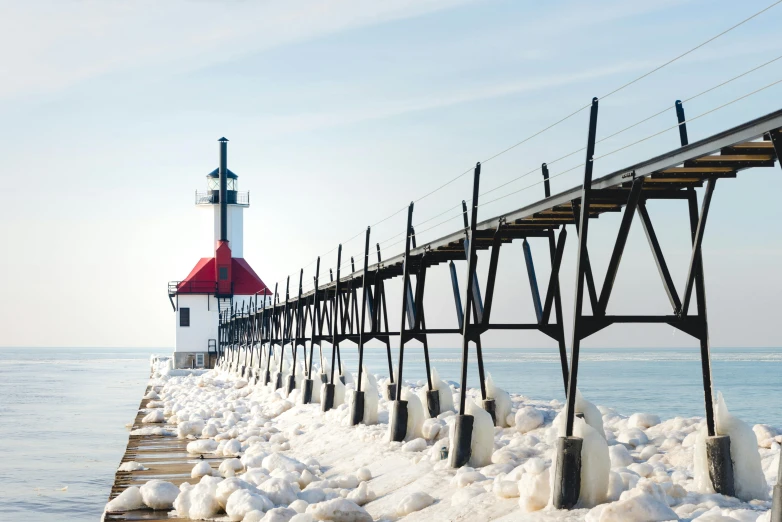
[[223, 273], [184, 317]]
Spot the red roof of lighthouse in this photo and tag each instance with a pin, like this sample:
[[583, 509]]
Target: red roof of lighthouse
[[201, 279]]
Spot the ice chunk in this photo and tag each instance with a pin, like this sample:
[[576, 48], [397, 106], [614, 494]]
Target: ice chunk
[[232, 448], [362, 494], [159, 494], [279, 514], [643, 420], [299, 506], [443, 392], [431, 428], [243, 501], [592, 415], [363, 474], [229, 467], [640, 508], [128, 500], [620, 457], [155, 416], [414, 445], [280, 461], [227, 487], [413, 502], [528, 419], [482, 444], [302, 517], [194, 427], [371, 397], [198, 502], [201, 469], [749, 480], [534, 487], [131, 466], [501, 398], [279, 491], [201, 446], [339, 510], [415, 414]]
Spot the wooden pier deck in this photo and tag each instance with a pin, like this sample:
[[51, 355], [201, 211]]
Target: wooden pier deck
[[166, 458]]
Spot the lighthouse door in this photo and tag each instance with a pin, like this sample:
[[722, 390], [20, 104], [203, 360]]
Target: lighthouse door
[[223, 280]]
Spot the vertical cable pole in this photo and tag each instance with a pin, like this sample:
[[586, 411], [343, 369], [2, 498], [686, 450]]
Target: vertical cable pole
[[567, 477], [357, 413], [398, 421]]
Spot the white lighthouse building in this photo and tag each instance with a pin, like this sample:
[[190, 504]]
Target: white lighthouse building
[[216, 283]]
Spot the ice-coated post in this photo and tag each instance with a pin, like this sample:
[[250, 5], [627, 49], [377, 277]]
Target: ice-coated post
[[398, 422], [433, 403], [328, 397], [462, 443], [278, 381], [776, 503], [391, 391], [567, 474], [398, 425], [491, 409], [306, 396], [357, 408], [291, 384], [461, 446], [720, 464]]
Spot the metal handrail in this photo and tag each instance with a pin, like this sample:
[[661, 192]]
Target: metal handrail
[[198, 287], [209, 197]]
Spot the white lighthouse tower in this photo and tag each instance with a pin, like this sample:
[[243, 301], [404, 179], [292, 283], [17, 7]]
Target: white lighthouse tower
[[216, 283]]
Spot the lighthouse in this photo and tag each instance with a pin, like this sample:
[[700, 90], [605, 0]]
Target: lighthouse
[[217, 284]]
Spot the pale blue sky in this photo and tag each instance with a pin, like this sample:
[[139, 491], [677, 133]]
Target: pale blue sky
[[340, 113]]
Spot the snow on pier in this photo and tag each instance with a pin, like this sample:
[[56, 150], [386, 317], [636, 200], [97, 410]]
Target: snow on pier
[[211, 445]]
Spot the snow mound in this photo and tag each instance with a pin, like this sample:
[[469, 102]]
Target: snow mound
[[482, 444], [534, 487], [243, 501], [159, 494], [338, 510], [128, 500], [279, 491], [415, 414], [131, 466], [155, 416], [413, 502], [280, 514], [748, 478], [640, 508], [226, 488], [527, 419], [201, 446], [502, 403], [201, 469], [443, 393]]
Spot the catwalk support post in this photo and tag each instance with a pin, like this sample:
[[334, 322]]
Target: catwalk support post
[[717, 446], [329, 388], [461, 445], [398, 421], [567, 479], [357, 408]]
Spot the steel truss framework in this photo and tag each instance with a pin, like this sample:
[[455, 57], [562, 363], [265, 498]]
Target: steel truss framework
[[352, 308]]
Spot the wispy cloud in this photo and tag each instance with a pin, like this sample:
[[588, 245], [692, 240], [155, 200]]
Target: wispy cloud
[[47, 46]]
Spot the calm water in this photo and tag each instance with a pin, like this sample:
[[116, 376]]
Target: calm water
[[63, 411]]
